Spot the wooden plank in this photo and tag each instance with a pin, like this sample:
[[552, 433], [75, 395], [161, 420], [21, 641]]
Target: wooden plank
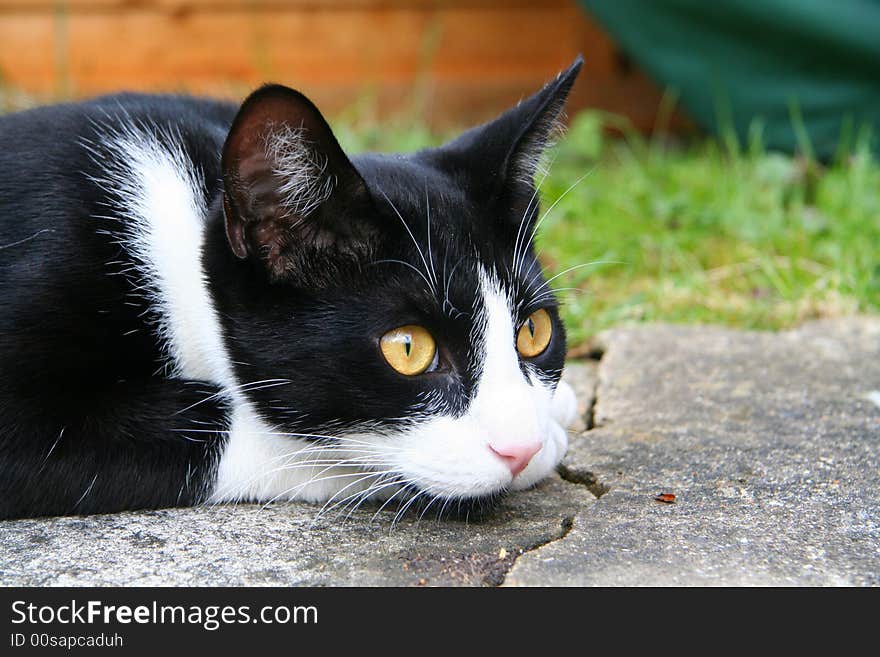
[[148, 50], [453, 62], [181, 6]]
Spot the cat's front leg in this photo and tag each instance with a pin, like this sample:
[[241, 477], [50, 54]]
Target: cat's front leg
[[135, 445]]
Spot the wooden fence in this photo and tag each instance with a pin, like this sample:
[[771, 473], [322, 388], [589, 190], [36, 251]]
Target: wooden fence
[[453, 61]]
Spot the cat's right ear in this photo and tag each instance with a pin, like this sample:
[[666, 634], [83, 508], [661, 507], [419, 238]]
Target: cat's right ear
[[288, 185]]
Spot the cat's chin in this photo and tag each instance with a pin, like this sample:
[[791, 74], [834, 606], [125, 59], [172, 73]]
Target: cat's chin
[[467, 508], [419, 505]]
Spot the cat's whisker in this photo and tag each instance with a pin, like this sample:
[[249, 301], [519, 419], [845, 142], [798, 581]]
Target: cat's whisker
[[291, 463], [51, 449], [402, 510], [355, 500], [87, 491], [428, 506], [446, 289], [522, 223], [27, 239], [550, 296], [443, 508], [386, 503], [221, 493], [422, 491], [415, 269], [359, 499], [428, 213], [291, 458], [585, 264], [413, 238], [244, 387], [316, 440], [556, 290], [324, 509], [546, 283], [547, 212], [404, 485], [521, 257], [322, 456], [366, 453], [328, 463], [520, 248], [401, 485], [295, 489]]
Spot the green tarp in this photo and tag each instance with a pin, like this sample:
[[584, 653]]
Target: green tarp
[[774, 66]]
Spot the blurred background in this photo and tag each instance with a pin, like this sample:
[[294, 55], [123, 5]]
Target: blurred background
[[454, 62], [721, 159]]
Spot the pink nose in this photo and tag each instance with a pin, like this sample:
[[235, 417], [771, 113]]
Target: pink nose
[[516, 456]]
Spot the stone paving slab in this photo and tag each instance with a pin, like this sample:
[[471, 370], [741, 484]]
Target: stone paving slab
[[280, 545], [770, 442]]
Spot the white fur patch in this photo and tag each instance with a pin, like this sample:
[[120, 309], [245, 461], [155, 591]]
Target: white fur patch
[[303, 181], [162, 230]]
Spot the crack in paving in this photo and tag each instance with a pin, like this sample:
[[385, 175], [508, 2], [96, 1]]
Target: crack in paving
[[497, 577], [584, 478], [581, 476], [590, 419]]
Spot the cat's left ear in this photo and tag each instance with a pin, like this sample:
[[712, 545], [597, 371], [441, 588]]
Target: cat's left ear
[[289, 189], [539, 117], [505, 154]]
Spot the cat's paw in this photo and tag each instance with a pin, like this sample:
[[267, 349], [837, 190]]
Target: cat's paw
[[563, 406]]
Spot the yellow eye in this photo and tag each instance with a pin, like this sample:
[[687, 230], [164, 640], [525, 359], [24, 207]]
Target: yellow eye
[[534, 334], [409, 349]]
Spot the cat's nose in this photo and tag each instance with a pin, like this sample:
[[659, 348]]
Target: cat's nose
[[516, 456]]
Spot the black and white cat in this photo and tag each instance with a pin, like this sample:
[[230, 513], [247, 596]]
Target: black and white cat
[[205, 303]]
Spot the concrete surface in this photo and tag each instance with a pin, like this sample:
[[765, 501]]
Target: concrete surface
[[770, 443]]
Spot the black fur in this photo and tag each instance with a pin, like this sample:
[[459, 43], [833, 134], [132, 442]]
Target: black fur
[[90, 418]]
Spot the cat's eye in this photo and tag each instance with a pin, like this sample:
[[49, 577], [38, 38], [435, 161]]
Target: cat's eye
[[534, 334], [409, 349]]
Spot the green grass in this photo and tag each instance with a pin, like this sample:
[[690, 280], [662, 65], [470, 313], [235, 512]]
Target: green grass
[[705, 232]]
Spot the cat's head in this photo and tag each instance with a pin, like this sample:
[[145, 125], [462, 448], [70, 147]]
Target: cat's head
[[397, 298]]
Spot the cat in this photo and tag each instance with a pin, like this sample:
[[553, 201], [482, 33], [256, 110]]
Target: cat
[[202, 302]]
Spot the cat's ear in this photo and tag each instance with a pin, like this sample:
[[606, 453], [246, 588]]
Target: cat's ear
[[288, 185], [540, 118], [505, 153]]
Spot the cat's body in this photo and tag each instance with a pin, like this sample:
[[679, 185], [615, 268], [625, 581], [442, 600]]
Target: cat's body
[[204, 303]]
